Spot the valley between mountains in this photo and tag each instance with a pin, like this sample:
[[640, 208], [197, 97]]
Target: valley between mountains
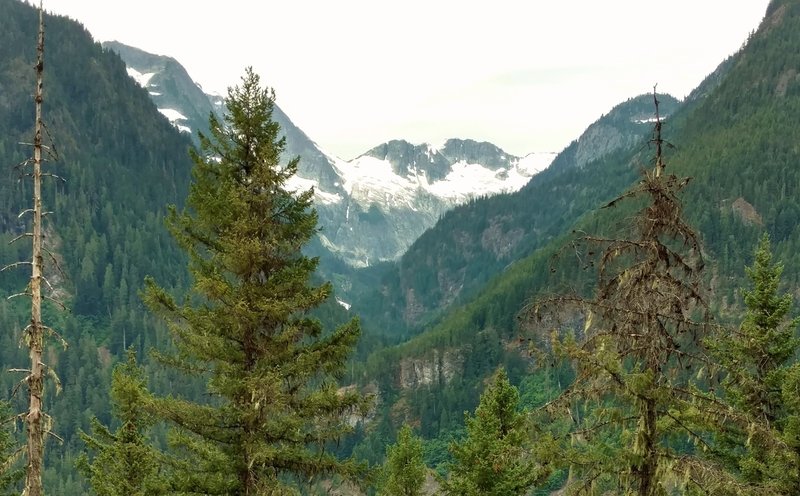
[[484, 321]]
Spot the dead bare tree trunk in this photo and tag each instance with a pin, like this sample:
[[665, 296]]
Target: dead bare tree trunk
[[35, 332], [37, 422]]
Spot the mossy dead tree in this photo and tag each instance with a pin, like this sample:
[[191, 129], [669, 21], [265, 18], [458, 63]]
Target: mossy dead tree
[[639, 335], [38, 424]]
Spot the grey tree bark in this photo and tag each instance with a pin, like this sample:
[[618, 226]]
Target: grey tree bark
[[35, 331]]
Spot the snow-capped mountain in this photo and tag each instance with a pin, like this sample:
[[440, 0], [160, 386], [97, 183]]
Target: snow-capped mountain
[[187, 106], [176, 96], [454, 172], [397, 190], [370, 208]]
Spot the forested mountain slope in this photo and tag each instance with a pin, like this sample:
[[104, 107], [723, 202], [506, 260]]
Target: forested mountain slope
[[121, 159], [472, 243], [123, 163], [738, 141]]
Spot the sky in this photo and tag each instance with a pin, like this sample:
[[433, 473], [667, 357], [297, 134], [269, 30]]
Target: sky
[[526, 75]]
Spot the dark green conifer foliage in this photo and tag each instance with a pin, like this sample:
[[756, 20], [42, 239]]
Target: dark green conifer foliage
[[495, 459], [10, 472], [756, 356], [123, 463], [273, 403], [761, 382], [404, 470]]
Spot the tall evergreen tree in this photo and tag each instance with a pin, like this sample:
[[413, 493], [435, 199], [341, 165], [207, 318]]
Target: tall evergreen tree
[[755, 358], [404, 470], [495, 459], [273, 403], [760, 438], [123, 462]]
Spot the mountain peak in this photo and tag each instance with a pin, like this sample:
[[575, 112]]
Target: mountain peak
[[622, 127], [482, 152], [437, 161], [409, 159], [169, 85]]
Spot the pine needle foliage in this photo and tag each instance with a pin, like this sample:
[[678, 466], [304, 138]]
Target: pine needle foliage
[[404, 470], [496, 457], [10, 472], [756, 356], [638, 334], [273, 403], [757, 427], [123, 463]]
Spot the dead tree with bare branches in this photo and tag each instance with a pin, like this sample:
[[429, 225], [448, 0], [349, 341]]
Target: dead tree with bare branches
[[38, 423], [638, 336]]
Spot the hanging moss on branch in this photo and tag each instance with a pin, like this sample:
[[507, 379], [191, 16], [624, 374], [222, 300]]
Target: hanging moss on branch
[[637, 334]]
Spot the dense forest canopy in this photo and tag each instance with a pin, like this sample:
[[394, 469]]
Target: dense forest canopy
[[732, 428]]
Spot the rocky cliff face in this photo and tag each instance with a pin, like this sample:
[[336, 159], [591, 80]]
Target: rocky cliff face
[[434, 370], [621, 128], [170, 87], [184, 103]]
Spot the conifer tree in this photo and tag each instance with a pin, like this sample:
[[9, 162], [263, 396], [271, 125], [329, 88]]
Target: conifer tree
[[495, 459], [759, 436], [35, 418], [638, 333], [404, 470], [123, 463], [755, 357], [273, 404]]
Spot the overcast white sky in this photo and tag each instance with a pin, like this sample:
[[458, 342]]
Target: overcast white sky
[[527, 75]]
